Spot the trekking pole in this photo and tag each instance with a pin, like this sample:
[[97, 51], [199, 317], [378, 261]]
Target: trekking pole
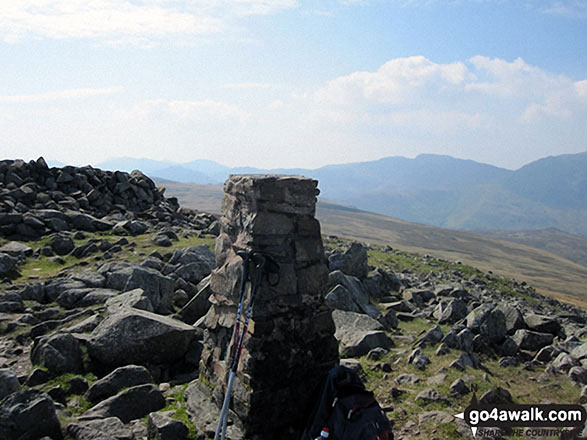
[[238, 342]]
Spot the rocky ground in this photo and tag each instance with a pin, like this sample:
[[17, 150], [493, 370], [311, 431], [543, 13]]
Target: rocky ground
[[104, 281]]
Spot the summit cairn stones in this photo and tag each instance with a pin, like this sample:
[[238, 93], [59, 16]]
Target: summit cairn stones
[[290, 346]]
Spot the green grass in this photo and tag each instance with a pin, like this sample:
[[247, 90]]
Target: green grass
[[178, 406]]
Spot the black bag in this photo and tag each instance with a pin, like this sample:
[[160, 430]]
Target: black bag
[[348, 410]]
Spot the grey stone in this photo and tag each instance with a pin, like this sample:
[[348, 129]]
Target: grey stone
[[407, 379], [493, 327], [580, 352], [110, 428], [513, 318], [132, 403], [542, 324], [358, 294], [465, 340], [508, 361], [163, 427], [530, 340], [122, 377], [133, 336], [353, 262], [451, 312], [28, 415], [8, 382], [8, 264], [359, 344], [62, 244], [578, 375], [135, 298], [59, 353], [417, 296], [339, 298], [564, 362], [430, 395], [432, 336], [389, 320], [17, 249], [458, 388]]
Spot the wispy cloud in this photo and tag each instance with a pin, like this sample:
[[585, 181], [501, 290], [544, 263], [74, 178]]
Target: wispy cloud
[[416, 91], [576, 9], [141, 22], [251, 85], [59, 95], [206, 111]]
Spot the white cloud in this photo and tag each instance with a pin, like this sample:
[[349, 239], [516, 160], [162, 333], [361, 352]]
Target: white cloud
[[58, 95], [416, 91], [140, 22], [576, 9], [250, 85]]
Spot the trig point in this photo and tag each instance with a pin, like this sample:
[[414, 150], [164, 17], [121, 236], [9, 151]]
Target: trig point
[[290, 346]]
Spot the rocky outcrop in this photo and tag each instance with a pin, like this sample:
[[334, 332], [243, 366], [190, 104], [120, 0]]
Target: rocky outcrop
[[36, 200]]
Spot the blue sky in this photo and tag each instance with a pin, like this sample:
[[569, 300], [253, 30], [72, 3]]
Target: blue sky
[[292, 83]]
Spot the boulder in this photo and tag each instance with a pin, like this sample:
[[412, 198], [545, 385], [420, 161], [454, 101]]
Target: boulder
[[134, 298], [458, 388], [28, 415], [357, 296], [8, 264], [353, 262], [432, 336], [339, 298], [60, 353], [130, 404], [578, 375], [17, 249], [493, 327], [450, 312], [419, 297], [133, 336], [580, 352], [429, 396], [157, 287], [162, 427], [513, 318], [8, 382], [542, 324], [122, 377], [61, 244], [110, 428], [531, 340]]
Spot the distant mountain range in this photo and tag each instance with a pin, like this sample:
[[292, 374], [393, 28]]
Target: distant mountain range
[[430, 189]]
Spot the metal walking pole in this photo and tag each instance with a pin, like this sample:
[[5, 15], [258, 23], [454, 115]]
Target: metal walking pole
[[238, 344]]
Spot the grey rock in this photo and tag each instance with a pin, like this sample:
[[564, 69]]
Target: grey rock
[[532, 341], [451, 312], [432, 336], [513, 318], [359, 344], [133, 336], [132, 403], [477, 316], [442, 349], [547, 354], [17, 249], [564, 362], [459, 388], [580, 352], [158, 288], [110, 428], [8, 264], [417, 296], [8, 382], [578, 375], [60, 353], [62, 244], [542, 324], [508, 347], [407, 379], [163, 427], [430, 395], [389, 320], [134, 298], [122, 377], [358, 294], [339, 298], [353, 262], [465, 340], [28, 415], [493, 327], [496, 396], [508, 361]]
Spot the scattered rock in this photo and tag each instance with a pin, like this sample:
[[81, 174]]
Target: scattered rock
[[110, 428], [459, 388], [430, 395], [8, 382], [60, 353], [531, 340]]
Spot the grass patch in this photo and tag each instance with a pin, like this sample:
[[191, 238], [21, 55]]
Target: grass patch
[[177, 405]]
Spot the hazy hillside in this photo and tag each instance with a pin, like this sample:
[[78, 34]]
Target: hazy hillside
[[551, 274], [431, 189]]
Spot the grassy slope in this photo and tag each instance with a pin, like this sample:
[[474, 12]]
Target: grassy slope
[[550, 274]]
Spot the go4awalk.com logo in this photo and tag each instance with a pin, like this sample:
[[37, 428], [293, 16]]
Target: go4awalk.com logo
[[524, 420]]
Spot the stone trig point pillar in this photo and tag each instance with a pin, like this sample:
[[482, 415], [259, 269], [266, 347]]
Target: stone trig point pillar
[[290, 346]]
